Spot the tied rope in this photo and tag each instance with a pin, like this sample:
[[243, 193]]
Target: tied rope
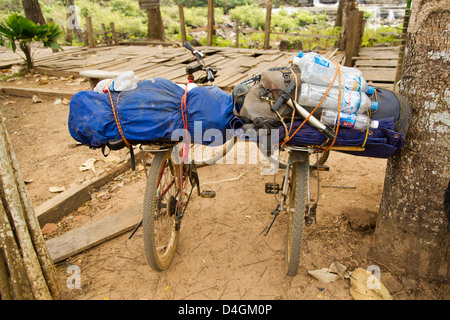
[[338, 72], [116, 116]]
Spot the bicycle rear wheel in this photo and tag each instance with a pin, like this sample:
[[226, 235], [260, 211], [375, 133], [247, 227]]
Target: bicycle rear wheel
[[161, 205], [296, 206]]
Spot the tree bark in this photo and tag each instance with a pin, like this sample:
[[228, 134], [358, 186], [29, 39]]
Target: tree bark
[[33, 11], [155, 25], [411, 233], [25, 261]]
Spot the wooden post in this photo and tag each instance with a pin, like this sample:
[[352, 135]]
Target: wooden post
[[114, 34], [338, 22], [26, 268], [105, 35], [354, 37], [182, 23], [210, 26], [85, 35], [90, 32], [401, 55], [267, 26], [346, 23], [236, 30], [155, 25], [69, 29], [349, 39]]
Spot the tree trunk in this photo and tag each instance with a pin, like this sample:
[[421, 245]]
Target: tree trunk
[[155, 25], [33, 11], [26, 269], [411, 233]]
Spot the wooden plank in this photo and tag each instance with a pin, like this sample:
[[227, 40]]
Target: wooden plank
[[376, 63], [388, 54], [30, 92], [382, 85], [224, 78], [57, 73], [59, 206], [233, 81], [378, 74], [71, 199], [83, 238]]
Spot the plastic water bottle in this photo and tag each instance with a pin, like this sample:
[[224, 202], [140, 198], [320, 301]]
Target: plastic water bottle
[[125, 82], [353, 121], [351, 101], [189, 86], [317, 69]]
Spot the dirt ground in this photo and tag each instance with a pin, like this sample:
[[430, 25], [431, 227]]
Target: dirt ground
[[222, 252]]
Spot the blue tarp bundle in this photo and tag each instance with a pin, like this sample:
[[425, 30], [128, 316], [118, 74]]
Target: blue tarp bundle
[[150, 113]]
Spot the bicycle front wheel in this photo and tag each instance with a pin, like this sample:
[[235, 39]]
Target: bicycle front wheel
[[161, 205], [296, 206]]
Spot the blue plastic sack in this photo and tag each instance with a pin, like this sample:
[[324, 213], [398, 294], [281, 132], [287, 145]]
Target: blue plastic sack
[[150, 113], [382, 142]]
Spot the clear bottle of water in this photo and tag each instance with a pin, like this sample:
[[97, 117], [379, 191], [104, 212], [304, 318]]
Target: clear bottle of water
[[353, 121], [124, 82], [351, 101], [317, 69]]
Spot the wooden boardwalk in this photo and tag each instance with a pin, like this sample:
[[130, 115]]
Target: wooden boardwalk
[[378, 65], [234, 65]]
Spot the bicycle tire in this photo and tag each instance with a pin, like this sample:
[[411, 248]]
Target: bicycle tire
[[160, 241], [323, 157], [296, 207]]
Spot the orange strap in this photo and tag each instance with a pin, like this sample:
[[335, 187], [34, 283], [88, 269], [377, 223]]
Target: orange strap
[[184, 111], [116, 117], [339, 107]]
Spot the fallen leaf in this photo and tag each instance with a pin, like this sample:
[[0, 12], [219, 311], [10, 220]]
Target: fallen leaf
[[49, 228], [57, 101], [324, 275], [340, 269], [56, 189], [366, 286], [36, 99], [88, 164]]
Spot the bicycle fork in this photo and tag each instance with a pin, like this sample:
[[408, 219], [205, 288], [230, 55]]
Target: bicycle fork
[[310, 209], [280, 205]]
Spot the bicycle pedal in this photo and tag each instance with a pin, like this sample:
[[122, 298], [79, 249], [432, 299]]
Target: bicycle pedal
[[272, 188], [321, 167], [208, 194]]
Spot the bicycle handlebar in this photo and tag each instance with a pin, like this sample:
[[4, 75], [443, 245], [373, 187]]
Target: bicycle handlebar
[[200, 65], [198, 54]]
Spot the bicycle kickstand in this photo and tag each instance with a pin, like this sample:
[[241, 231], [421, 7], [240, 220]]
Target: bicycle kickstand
[[275, 214]]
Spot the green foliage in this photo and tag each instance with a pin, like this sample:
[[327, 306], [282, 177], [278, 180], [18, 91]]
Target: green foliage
[[387, 35], [225, 4], [251, 15], [304, 18], [19, 31], [195, 17]]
